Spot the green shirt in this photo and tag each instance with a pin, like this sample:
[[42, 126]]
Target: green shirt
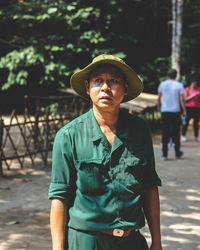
[[103, 183]]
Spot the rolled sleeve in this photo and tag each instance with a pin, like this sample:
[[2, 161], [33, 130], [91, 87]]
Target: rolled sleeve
[[150, 177], [59, 190], [63, 176]]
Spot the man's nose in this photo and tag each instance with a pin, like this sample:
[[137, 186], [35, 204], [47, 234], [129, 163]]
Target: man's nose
[[105, 85]]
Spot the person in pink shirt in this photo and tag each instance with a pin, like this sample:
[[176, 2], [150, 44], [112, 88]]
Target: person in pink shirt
[[192, 99]]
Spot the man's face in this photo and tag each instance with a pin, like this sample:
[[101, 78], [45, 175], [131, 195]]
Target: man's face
[[106, 87]]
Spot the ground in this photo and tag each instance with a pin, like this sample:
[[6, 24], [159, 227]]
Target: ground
[[24, 206]]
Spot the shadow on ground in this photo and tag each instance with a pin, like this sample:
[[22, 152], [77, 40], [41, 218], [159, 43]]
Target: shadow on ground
[[24, 214]]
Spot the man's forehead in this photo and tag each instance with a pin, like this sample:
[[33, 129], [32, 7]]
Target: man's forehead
[[101, 69]]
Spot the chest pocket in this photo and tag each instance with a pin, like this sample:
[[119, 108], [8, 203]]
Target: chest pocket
[[134, 170], [90, 176]]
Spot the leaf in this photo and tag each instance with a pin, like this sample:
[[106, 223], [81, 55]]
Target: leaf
[[42, 17], [56, 48], [9, 223], [121, 55], [52, 10], [70, 7]]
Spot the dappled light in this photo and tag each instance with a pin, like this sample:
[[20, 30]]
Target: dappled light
[[180, 197], [24, 214]]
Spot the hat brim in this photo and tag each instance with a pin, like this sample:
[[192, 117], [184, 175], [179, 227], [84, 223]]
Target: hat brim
[[135, 85]]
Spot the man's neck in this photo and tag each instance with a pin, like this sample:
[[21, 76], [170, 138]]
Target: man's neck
[[106, 119], [168, 78]]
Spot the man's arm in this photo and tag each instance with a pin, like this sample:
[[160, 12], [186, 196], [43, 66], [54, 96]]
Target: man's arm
[[182, 101], [58, 223], [152, 214]]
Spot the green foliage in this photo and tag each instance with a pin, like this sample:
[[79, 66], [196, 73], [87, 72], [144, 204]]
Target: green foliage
[[57, 37], [191, 40], [154, 73], [52, 109], [16, 62], [93, 37], [45, 41]]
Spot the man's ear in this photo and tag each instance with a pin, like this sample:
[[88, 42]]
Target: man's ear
[[87, 86], [126, 89]]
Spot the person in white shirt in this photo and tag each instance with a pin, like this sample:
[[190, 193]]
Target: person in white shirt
[[170, 102]]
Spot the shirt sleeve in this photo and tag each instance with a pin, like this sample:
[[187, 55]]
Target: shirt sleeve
[[150, 176], [182, 89], [63, 174]]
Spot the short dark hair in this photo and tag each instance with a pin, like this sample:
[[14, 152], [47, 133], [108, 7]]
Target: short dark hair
[[172, 73]]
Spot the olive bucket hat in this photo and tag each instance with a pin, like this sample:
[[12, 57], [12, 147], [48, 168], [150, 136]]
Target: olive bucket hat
[[135, 85]]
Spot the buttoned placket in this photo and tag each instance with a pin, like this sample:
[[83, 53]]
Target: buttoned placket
[[117, 143], [97, 134], [120, 136]]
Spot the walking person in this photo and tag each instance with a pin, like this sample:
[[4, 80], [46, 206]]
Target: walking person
[[192, 99], [104, 181], [170, 102]]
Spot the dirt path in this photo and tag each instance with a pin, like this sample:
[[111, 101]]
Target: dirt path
[[24, 207], [180, 196]]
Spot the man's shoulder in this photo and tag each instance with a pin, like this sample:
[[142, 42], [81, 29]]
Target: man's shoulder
[[180, 86], [171, 83], [168, 81], [163, 83], [133, 119], [178, 83], [75, 123]]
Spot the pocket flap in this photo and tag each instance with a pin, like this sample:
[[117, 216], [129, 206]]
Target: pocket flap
[[89, 163]]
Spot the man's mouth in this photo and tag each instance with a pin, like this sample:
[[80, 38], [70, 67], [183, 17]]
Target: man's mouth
[[105, 98]]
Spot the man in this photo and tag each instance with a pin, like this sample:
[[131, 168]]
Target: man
[[170, 102], [103, 173]]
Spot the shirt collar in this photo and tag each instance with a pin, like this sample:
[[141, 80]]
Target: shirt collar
[[96, 133], [122, 130]]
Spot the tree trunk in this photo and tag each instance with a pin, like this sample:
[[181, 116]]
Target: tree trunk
[[177, 22]]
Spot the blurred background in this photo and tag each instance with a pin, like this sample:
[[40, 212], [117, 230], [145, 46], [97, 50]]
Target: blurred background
[[42, 42]]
